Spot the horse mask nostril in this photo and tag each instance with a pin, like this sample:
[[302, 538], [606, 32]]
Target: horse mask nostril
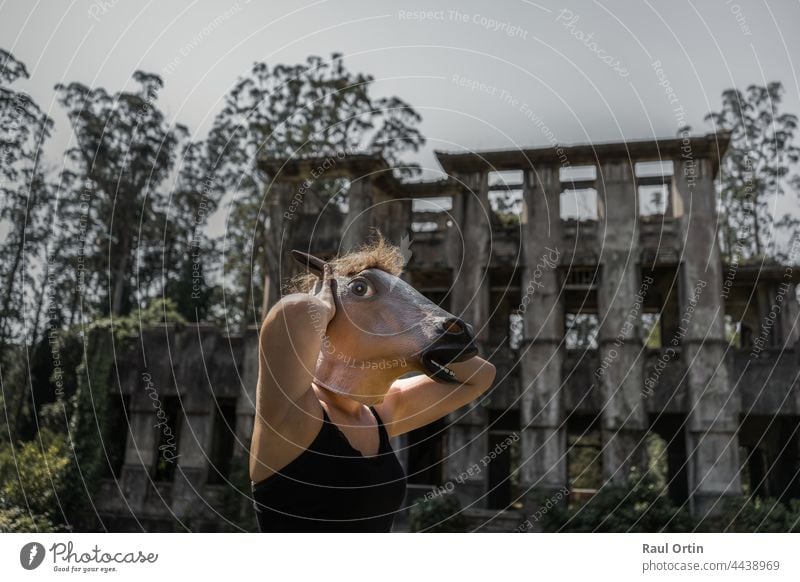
[[454, 326]]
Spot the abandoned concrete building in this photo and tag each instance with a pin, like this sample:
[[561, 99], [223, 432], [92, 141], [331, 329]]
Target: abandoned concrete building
[[593, 277]]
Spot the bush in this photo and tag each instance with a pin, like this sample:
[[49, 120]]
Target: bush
[[743, 514], [31, 477], [641, 506], [440, 514], [14, 520]]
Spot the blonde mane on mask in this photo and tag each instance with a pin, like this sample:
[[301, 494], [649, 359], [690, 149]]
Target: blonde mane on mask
[[376, 254]]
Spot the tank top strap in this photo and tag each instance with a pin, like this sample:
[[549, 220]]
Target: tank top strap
[[384, 436], [327, 429], [329, 439]]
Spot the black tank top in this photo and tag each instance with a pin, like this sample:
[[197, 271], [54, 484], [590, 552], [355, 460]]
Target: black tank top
[[332, 487]]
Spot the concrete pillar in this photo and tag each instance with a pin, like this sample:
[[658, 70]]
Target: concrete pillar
[[543, 457], [765, 298], [467, 245], [620, 297], [466, 443], [140, 451], [195, 420], [391, 215], [712, 442], [789, 315], [356, 226], [188, 496]]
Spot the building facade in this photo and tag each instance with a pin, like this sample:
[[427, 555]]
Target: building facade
[[594, 279]]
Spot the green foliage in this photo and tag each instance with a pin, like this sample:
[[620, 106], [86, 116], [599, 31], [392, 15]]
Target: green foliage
[[507, 208], [508, 219], [50, 473], [14, 394], [31, 475], [748, 515], [136, 224], [15, 520], [314, 109], [641, 506], [440, 514], [89, 425], [756, 168], [25, 200], [189, 289], [184, 251], [158, 312]]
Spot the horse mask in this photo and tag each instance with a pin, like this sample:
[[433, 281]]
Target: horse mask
[[383, 328]]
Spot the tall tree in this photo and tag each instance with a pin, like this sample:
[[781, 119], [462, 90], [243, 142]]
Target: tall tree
[[24, 195], [186, 254], [313, 109], [756, 171], [125, 150]]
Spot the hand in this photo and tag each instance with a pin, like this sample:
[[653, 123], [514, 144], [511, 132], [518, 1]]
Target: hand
[[325, 294]]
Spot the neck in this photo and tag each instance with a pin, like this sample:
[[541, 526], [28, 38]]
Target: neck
[[337, 399], [353, 385]]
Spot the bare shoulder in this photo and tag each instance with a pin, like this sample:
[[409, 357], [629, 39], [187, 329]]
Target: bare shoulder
[[288, 350], [292, 308]]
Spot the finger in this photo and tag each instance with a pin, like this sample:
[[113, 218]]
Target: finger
[[332, 285], [327, 279], [320, 283], [328, 288]]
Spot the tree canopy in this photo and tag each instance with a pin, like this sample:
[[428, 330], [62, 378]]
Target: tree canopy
[[756, 172]]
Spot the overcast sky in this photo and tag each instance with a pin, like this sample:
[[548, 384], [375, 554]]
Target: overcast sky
[[483, 75]]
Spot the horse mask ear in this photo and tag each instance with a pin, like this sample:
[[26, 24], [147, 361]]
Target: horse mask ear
[[314, 264]]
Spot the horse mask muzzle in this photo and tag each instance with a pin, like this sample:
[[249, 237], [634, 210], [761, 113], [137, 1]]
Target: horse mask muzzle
[[427, 334]]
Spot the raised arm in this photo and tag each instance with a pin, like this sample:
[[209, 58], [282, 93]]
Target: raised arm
[[414, 402], [289, 344]]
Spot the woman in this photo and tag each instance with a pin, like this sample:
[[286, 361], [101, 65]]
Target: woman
[[330, 392]]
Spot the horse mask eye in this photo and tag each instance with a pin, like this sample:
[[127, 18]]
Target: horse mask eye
[[360, 287]]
